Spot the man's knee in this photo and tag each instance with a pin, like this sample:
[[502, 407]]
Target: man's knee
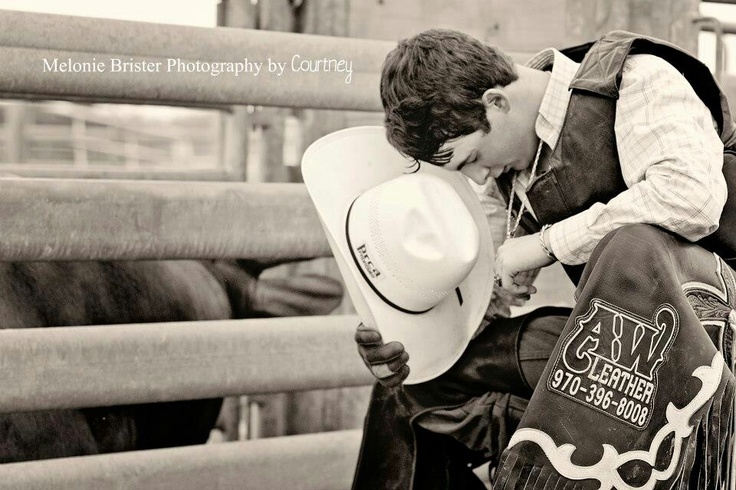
[[631, 244], [638, 233], [631, 257]]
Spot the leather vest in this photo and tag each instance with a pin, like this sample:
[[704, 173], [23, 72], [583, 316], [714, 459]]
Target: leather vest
[[584, 166]]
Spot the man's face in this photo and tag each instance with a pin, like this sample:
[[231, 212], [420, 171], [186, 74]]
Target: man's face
[[509, 145]]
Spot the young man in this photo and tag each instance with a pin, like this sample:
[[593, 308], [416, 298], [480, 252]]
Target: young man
[[589, 155]]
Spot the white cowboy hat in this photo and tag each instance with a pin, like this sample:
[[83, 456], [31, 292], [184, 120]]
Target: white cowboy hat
[[413, 247]]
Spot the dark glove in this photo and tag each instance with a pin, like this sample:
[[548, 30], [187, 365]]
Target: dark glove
[[387, 362]]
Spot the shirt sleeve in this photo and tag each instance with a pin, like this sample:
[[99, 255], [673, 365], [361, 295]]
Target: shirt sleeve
[[671, 160]]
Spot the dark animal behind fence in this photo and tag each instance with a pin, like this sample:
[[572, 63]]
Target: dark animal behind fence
[[48, 294]]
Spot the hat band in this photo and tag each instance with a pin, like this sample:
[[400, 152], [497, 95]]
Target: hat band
[[365, 277]]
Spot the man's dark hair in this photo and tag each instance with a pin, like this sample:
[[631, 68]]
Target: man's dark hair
[[431, 88]]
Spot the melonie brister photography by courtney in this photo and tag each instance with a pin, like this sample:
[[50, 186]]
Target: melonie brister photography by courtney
[[214, 68]]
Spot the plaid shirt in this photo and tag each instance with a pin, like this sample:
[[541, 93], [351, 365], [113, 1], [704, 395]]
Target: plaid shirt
[[670, 154]]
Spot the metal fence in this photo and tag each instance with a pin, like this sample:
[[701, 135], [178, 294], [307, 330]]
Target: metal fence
[[44, 219]]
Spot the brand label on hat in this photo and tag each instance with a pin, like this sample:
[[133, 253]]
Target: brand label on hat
[[368, 266], [610, 361]]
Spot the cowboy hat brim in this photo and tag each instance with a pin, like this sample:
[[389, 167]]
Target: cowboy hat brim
[[338, 168]]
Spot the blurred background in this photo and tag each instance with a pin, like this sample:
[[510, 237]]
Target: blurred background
[[262, 144]]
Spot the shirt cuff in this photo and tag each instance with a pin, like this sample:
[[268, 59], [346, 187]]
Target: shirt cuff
[[572, 240]]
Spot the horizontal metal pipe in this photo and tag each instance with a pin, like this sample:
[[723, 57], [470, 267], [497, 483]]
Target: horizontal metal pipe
[[726, 27], [29, 38], [316, 461], [68, 367], [49, 219], [56, 171], [112, 37], [25, 78]]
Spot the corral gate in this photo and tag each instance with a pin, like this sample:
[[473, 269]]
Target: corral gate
[[52, 219]]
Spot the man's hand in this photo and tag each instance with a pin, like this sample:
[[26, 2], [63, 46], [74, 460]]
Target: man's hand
[[516, 256], [502, 301], [387, 362]]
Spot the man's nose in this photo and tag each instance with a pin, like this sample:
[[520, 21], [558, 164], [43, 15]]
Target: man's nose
[[476, 173]]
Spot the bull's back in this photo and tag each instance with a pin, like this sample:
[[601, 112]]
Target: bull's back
[[48, 294]]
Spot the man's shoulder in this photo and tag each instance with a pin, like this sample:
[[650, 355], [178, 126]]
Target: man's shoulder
[[646, 68], [647, 62]]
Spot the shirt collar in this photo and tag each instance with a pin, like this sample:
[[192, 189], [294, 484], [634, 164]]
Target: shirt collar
[[557, 96]]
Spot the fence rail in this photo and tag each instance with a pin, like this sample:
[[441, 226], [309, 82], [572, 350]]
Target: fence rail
[[50, 219], [70, 367], [323, 461], [27, 39]]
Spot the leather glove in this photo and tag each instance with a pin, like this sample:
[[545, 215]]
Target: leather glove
[[387, 362]]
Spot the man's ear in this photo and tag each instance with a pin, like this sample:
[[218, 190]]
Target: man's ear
[[496, 98]]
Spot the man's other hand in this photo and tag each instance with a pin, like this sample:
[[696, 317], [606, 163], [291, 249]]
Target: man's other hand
[[387, 362], [516, 256]]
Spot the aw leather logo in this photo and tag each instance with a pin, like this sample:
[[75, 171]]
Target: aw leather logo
[[609, 361]]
